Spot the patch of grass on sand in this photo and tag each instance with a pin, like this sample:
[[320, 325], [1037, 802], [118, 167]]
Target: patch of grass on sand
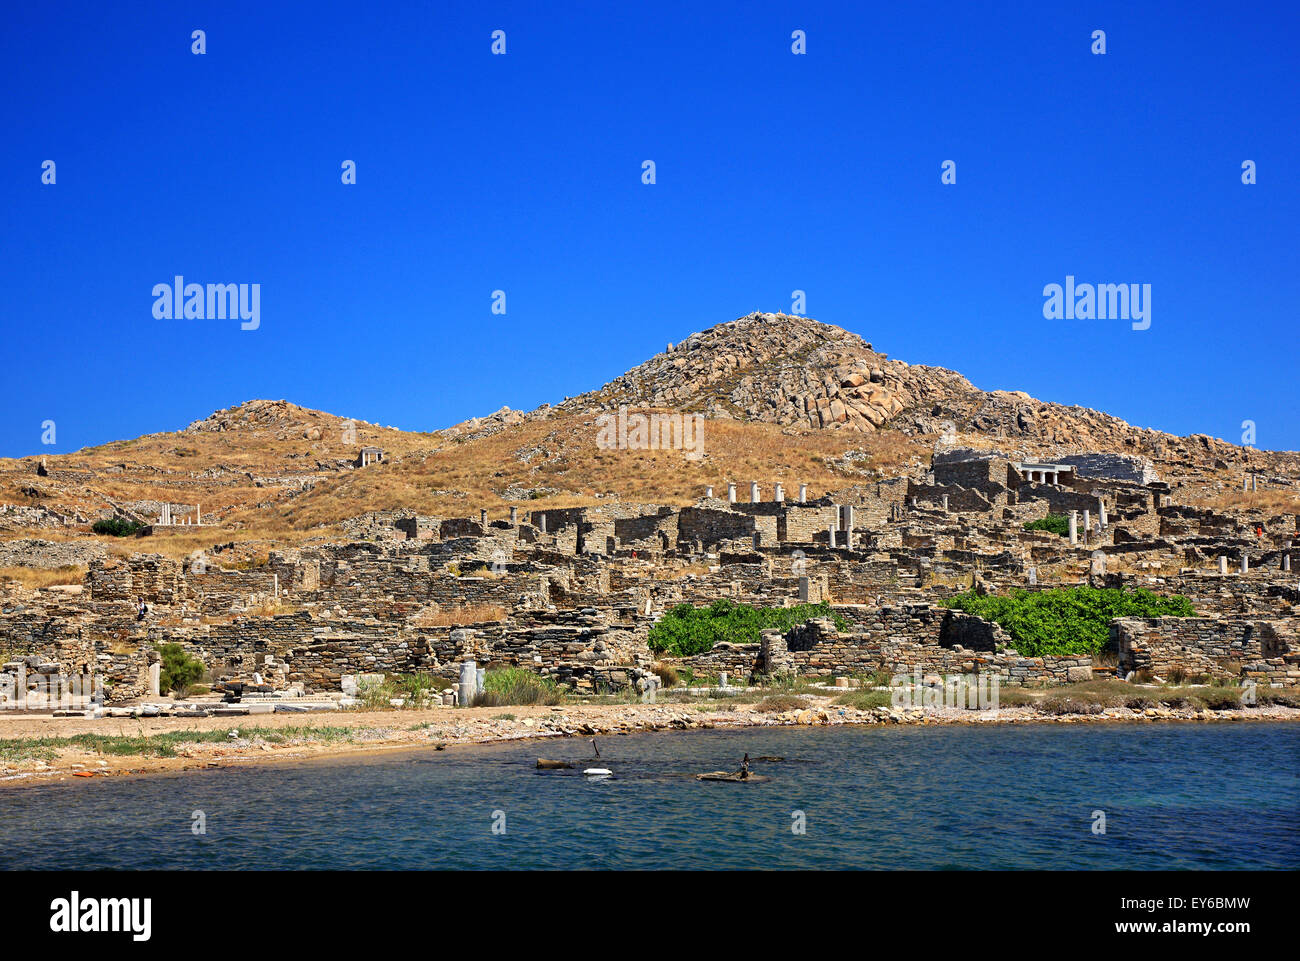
[[778, 703], [1017, 697], [159, 745], [1093, 697], [796, 683], [865, 700], [1281, 696], [38, 577]]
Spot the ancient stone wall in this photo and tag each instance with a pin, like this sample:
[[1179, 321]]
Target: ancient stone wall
[[713, 526], [805, 524], [1223, 647]]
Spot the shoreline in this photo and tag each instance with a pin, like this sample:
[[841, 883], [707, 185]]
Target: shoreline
[[289, 738]]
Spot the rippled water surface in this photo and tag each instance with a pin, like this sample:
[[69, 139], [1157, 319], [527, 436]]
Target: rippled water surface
[[1174, 796]]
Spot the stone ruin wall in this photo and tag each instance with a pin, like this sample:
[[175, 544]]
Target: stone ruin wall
[[383, 586], [1267, 652], [959, 498]]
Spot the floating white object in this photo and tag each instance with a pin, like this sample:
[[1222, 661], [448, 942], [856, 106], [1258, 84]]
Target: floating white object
[[598, 772]]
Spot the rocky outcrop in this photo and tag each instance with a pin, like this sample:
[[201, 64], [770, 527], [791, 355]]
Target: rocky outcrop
[[798, 372], [778, 369], [49, 555]]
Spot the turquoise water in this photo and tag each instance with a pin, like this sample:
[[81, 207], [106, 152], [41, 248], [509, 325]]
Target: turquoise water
[[1224, 796]]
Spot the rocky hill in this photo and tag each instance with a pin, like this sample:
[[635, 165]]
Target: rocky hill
[[780, 369], [795, 371]]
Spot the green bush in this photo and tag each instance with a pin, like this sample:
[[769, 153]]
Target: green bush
[[179, 670], [1068, 620], [1058, 524], [516, 685], [685, 630], [116, 527], [416, 688]]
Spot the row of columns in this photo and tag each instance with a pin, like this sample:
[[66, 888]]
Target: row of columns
[[167, 519], [1245, 562], [1087, 522], [843, 522], [778, 496]]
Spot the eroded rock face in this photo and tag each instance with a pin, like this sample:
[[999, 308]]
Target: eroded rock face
[[779, 369], [800, 373]]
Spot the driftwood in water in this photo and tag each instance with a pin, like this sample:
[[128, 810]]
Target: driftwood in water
[[545, 765], [729, 776]]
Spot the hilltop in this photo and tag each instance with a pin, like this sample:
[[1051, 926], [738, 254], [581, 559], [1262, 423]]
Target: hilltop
[[794, 371]]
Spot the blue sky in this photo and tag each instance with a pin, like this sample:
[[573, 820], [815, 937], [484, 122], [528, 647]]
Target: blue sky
[[522, 172]]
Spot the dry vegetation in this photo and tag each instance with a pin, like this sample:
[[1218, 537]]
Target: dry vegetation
[[1268, 501], [36, 577], [545, 462], [459, 616], [277, 475], [560, 453]]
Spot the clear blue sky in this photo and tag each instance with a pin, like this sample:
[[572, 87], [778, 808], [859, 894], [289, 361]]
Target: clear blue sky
[[522, 172]]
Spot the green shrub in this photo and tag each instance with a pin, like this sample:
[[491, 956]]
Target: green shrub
[[685, 630], [376, 695], [116, 527], [1057, 524], [179, 670], [416, 687], [1068, 620], [515, 685]]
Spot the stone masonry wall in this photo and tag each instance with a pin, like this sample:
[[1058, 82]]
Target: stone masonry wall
[[1224, 648]]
